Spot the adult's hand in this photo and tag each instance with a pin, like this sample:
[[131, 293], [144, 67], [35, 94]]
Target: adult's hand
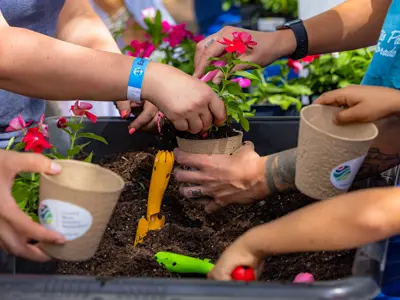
[[16, 228], [222, 179], [270, 47], [363, 103], [146, 115], [190, 104]]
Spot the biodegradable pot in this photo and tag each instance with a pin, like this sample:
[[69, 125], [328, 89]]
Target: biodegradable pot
[[78, 203], [216, 146], [329, 156]]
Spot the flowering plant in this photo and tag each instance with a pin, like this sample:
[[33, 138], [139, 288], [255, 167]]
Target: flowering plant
[[25, 189], [287, 7], [230, 89], [169, 44]]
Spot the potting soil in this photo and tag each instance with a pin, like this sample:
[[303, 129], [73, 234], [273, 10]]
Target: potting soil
[[190, 231]]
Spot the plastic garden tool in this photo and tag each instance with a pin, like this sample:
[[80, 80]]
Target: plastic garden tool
[[178, 263], [162, 169]]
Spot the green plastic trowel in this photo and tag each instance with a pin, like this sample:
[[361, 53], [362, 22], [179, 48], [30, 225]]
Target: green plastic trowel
[[177, 263]]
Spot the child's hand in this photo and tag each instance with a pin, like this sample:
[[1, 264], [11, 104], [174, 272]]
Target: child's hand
[[364, 103], [238, 254]]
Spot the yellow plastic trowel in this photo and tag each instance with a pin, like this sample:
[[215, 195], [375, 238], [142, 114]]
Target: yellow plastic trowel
[[162, 169]]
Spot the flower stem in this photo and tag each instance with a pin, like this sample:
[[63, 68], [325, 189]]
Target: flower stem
[[74, 137]]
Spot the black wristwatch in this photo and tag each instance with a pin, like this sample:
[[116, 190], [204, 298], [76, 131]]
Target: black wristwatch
[[300, 33]]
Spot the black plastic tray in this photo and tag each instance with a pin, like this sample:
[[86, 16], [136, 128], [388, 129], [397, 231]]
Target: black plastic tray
[[269, 134]]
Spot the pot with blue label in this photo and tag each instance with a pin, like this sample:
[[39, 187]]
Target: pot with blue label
[[329, 156], [78, 203]]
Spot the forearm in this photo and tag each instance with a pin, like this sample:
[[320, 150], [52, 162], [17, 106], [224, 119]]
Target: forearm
[[344, 222], [351, 25], [280, 168], [53, 69]]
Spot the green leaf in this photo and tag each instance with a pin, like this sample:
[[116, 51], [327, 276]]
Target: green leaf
[[214, 58], [233, 106], [210, 68], [74, 126], [244, 122], [56, 155], [234, 88], [297, 90], [92, 136], [244, 62], [77, 149], [89, 158], [246, 74], [19, 146]]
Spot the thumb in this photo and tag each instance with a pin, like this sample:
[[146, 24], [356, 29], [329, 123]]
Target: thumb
[[349, 115], [246, 146], [124, 108], [31, 162]]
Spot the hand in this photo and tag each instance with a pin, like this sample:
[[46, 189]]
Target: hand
[[364, 103], [240, 253], [271, 46], [16, 228], [222, 179], [186, 101], [146, 115]]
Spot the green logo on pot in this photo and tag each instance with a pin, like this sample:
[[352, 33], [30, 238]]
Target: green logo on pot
[[342, 173], [45, 214]]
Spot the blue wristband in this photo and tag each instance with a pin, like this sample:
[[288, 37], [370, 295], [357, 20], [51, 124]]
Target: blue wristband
[[136, 77]]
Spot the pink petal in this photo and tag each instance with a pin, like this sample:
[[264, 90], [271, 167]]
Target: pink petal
[[85, 105], [41, 119], [91, 117], [16, 124], [219, 63], [11, 129], [45, 130], [149, 12], [303, 277]]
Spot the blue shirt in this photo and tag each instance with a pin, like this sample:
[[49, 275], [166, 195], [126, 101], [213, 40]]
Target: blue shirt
[[384, 69]]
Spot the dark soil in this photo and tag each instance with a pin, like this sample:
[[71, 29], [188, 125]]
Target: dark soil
[[190, 231]]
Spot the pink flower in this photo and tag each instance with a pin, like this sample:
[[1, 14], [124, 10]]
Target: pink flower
[[36, 141], [235, 45], [245, 38], [176, 35], [243, 82], [149, 13], [210, 75], [62, 123], [295, 65], [17, 124], [197, 38], [165, 26], [44, 128], [143, 50], [81, 108]]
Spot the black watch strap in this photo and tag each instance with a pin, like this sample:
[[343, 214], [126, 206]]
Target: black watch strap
[[301, 36]]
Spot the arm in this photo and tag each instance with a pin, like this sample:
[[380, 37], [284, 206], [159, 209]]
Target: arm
[[79, 24], [350, 221], [341, 28]]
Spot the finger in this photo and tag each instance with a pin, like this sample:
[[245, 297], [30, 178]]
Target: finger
[[144, 118], [193, 177], [201, 48], [214, 50], [218, 110], [199, 161], [336, 98], [181, 125], [124, 108], [218, 78], [212, 207], [195, 124], [206, 118], [193, 192], [25, 226], [18, 246], [351, 115], [31, 162]]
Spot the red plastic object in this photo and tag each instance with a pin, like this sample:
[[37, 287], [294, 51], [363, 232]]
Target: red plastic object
[[243, 274]]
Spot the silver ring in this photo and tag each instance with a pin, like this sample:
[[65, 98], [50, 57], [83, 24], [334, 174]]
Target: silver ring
[[209, 43]]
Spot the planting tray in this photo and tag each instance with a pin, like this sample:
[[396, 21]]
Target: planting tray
[[28, 280]]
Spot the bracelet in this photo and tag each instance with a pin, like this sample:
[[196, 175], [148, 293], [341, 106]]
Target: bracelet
[[136, 77]]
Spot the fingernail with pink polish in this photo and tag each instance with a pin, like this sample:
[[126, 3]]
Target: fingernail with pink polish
[[304, 277], [123, 113], [132, 131]]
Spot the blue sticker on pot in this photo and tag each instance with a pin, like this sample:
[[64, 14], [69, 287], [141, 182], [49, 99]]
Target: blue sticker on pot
[[343, 175]]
